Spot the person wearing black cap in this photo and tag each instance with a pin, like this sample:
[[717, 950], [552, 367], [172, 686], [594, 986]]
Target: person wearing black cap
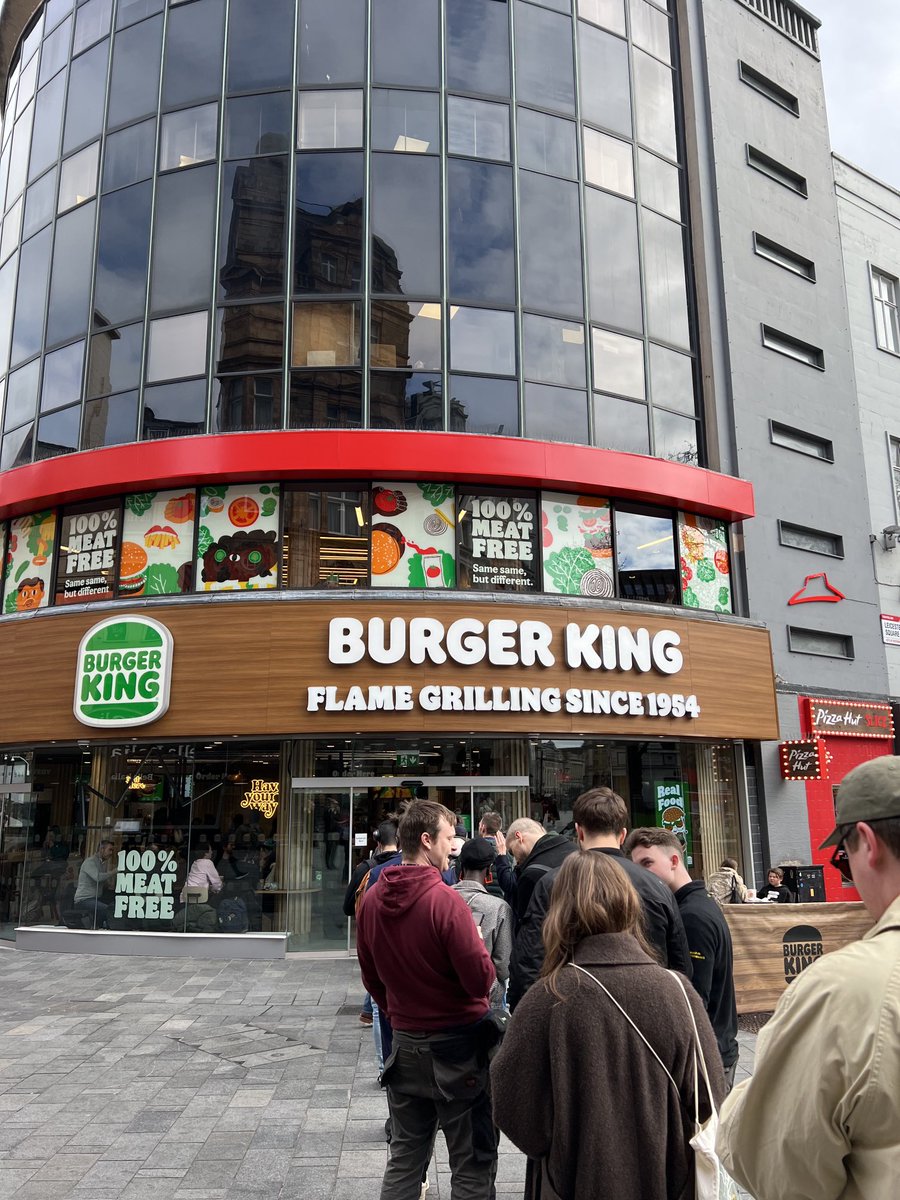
[[820, 1116], [492, 916]]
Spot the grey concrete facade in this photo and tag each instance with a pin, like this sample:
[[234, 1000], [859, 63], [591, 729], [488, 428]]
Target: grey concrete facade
[[750, 385]]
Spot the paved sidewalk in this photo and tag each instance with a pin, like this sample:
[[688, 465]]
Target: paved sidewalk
[[159, 1079]]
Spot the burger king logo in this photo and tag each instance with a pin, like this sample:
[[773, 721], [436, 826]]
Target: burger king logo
[[802, 945], [123, 673]]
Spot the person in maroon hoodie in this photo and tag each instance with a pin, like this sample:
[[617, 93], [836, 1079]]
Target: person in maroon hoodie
[[425, 965]]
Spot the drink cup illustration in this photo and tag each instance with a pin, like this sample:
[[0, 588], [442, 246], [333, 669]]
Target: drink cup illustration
[[433, 567]]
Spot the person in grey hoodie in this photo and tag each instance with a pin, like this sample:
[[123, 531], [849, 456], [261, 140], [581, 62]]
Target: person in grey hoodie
[[493, 916]]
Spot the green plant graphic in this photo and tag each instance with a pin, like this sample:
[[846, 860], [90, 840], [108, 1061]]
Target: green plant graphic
[[567, 566]]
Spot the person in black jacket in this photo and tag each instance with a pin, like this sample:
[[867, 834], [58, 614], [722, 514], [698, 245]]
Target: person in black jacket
[[775, 889], [535, 853], [385, 848], [708, 935], [600, 819]]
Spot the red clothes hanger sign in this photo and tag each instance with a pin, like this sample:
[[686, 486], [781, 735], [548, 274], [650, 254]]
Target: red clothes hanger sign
[[817, 590]]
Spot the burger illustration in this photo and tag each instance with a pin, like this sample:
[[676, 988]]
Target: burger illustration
[[132, 569]]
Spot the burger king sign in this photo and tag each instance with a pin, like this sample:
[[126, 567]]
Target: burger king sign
[[123, 673]]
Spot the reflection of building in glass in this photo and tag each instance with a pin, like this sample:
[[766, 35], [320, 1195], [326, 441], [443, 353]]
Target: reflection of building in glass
[[253, 258]]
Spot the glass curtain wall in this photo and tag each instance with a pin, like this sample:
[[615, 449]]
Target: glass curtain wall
[[393, 214]]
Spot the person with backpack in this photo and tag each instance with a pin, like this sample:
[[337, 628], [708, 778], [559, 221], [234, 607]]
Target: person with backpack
[[725, 885], [492, 916]]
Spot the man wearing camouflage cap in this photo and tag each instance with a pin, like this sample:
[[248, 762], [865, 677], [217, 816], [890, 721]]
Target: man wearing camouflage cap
[[820, 1118]]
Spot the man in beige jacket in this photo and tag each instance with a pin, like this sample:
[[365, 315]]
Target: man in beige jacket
[[820, 1118]]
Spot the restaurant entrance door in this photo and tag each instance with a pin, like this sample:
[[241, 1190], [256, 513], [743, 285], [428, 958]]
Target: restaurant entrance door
[[333, 824]]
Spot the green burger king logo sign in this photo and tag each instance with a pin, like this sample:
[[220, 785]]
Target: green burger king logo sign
[[123, 674]]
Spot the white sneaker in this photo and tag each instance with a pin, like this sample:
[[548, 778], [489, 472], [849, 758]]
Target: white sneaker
[[424, 1189]]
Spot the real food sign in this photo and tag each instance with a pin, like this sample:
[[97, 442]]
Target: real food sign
[[123, 673]]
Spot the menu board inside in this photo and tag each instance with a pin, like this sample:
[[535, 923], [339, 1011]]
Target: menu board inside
[[28, 564], [88, 551], [498, 542]]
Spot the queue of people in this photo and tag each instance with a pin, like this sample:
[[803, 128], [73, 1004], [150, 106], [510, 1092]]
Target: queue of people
[[594, 1075]]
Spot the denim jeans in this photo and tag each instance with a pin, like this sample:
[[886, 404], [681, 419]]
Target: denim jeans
[[376, 1034]]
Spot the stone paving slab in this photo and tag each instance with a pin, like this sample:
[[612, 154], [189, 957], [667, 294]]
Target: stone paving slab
[[170, 1079]]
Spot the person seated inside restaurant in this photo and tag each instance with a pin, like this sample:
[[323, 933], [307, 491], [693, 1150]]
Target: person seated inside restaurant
[[202, 873]]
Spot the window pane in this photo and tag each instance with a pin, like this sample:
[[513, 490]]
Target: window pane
[[258, 125], [246, 402], [613, 260], [404, 400], [7, 298], [55, 52], [544, 68], [325, 335], [260, 45], [115, 360], [481, 263], [78, 178], [62, 377], [18, 159], [671, 379], [17, 448], [675, 438], [659, 185], [110, 421], [47, 126], [554, 414], [21, 395], [183, 246], [489, 406], [177, 346], [193, 58], [326, 547], [608, 163], [128, 157], [329, 120], [174, 410], [406, 335], [70, 279], [650, 29], [332, 41], [477, 46], [12, 223], [512, 563], [86, 94], [188, 137], [654, 104], [252, 233], [91, 23], [122, 250], [667, 317], [618, 364], [621, 425], [328, 232], [249, 337], [546, 143], [645, 554], [32, 291], [325, 400], [54, 12], [482, 340], [406, 226], [405, 42], [477, 128], [608, 13], [129, 11], [550, 244], [58, 433], [27, 86], [405, 121], [134, 86], [605, 97], [553, 351]]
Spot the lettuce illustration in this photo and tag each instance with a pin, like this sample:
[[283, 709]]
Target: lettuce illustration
[[566, 567], [216, 490], [10, 605], [689, 598], [204, 540], [162, 580], [724, 599], [706, 572], [139, 502], [269, 505], [436, 493]]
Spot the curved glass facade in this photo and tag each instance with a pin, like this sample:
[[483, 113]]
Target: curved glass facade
[[389, 214]]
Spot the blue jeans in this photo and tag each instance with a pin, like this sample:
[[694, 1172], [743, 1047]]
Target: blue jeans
[[376, 1034], [96, 910], [367, 1004]]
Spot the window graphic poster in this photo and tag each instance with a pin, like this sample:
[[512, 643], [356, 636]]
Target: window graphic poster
[[497, 540], [28, 563], [576, 534], [413, 535], [672, 814], [88, 549], [705, 571], [157, 543], [237, 542]]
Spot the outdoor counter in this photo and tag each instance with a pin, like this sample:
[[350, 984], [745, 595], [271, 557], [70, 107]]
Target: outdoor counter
[[773, 943]]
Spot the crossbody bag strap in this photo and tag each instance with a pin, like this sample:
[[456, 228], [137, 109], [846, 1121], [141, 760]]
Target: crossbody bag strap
[[630, 1022], [698, 1053]]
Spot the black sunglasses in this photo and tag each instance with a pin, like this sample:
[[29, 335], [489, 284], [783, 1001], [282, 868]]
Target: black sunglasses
[[840, 860]]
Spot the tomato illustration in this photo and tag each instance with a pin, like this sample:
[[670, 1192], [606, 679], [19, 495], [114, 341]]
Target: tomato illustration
[[720, 558]]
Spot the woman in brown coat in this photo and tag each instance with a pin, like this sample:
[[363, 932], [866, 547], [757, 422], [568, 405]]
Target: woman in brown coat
[[574, 1085]]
